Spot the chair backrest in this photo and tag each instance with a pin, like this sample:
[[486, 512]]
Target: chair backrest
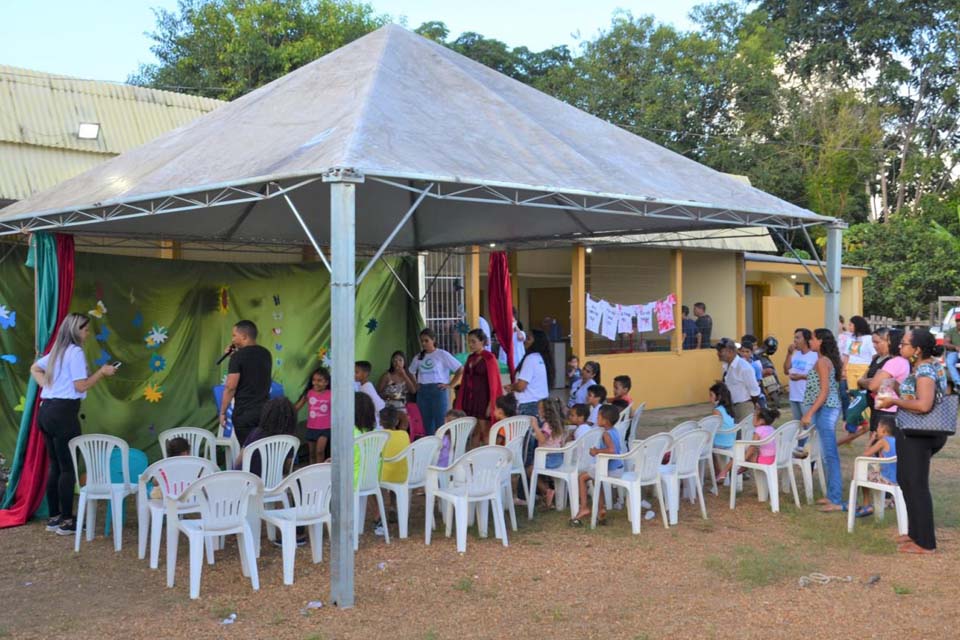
[[371, 455], [589, 440], [483, 470], [710, 424], [635, 419], [514, 427], [650, 453], [746, 428], [202, 442], [787, 440], [95, 450], [420, 455], [684, 427], [175, 475], [311, 488], [459, 431], [273, 452], [622, 425], [686, 451], [223, 498]]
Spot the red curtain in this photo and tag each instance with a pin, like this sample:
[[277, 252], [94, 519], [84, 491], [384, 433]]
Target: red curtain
[[501, 304], [33, 478]]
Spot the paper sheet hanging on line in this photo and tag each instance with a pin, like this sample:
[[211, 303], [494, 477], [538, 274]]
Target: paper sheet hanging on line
[[645, 316], [664, 311], [627, 314], [593, 315], [611, 318]]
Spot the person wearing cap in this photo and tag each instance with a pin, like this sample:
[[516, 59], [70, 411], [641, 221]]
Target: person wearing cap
[[951, 344], [740, 378]]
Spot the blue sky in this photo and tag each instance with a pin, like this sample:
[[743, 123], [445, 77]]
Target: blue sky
[[105, 39]]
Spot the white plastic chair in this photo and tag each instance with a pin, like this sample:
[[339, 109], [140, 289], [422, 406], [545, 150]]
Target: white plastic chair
[[685, 455], [745, 427], [419, 456], [566, 476], [173, 476], [310, 490], [222, 501], [645, 459], [95, 450], [622, 425], [371, 454], [478, 477], [814, 457], [459, 431], [710, 424], [766, 475], [684, 427], [516, 430], [231, 444], [635, 414], [861, 472], [203, 444], [274, 452]]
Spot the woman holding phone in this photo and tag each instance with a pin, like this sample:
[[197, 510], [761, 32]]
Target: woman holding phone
[[62, 376]]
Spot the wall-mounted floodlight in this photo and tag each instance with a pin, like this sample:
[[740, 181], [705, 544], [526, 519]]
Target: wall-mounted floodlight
[[88, 130]]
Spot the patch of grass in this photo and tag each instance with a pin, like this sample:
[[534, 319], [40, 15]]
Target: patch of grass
[[902, 590], [558, 615], [314, 636], [759, 567], [4, 633], [278, 619], [464, 584], [830, 530], [431, 635], [223, 610], [946, 507]]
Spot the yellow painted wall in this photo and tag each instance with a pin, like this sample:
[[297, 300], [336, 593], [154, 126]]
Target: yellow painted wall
[[666, 379], [711, 277], [782, 315]]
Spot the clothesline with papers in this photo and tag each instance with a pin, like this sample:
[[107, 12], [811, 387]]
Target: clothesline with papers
[[609, 319]]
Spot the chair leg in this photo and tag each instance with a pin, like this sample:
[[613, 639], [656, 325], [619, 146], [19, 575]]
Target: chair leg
[[573, 491], [315, 532], [733, 485], [658, 488], [196, 563], [116, 515], [513, 508], [530, 503], [428, 517], [461, 507], [851, 506], [173, 538], [81, 512], [806, 469], [143, 529], [288, 544], [156, 531], [498, 520], [560, 494], [481, 509], [703, 504], [634, 510], [383, 516], [773, 489], [901, 508], [208, 543], [91, 524], [403, 511], [246, 546], [596, 503], [879, 502]]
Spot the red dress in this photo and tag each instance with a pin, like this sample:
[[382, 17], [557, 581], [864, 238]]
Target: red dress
[[480, 386]]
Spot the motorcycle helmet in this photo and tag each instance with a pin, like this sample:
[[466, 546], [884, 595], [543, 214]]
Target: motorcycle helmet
[[770, 345]]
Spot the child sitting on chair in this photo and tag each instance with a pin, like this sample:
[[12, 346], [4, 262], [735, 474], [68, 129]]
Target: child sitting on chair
[[443, 458], [392, 471], [609, 443], [621, 392], [883, 445], [577, 418], [596, 396], [175, 447], [504, 407], [763, 417], [549, 432]]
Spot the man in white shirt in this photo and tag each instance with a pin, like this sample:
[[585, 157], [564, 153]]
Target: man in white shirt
[[740, 378]]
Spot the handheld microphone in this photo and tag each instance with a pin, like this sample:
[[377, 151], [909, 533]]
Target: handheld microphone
[[226, 355]]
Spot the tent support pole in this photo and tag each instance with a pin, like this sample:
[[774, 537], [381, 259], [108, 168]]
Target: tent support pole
[[803, 263], [343, 333], [831, 307], [393, 234], [306, 230]]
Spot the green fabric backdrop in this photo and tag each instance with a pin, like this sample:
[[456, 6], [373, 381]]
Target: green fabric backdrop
[[185, 297]]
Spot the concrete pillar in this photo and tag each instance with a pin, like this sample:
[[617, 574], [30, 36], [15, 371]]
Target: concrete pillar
[[834, 257], [471, 287], [676, 287], [578, 302]]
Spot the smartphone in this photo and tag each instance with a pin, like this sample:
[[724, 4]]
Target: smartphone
[[117, 364]]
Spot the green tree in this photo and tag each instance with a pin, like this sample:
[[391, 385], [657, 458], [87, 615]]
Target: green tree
[[225, 48]]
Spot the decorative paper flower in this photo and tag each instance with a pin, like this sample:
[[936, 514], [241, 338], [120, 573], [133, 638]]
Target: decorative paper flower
[[223, 300], [103, 359], [156, 337], [277, 331], [279, 362], [278, 315], [153, 393], [158, 363], [9, 357], [8, 318], [104, 334], [276, 300], [371, 325], [463, 328], [100, 311], [322, 353], [20, 405], [137, 320]]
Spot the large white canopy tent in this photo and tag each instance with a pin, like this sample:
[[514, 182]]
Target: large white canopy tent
[[434, 150]]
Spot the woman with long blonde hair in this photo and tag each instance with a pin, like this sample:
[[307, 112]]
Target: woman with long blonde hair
[[62, 376]]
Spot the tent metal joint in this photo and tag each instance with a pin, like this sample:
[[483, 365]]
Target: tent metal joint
[[343, 174]]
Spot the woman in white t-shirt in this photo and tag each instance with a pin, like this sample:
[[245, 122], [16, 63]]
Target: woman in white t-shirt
[[859, 350], [435, 371], [532, 384], [62, 376]]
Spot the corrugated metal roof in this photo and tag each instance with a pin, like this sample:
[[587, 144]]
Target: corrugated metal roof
[[40, 114]]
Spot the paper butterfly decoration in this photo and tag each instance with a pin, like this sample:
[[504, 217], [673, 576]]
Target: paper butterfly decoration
[[9, 357], [279, 362], [371, 325], [223, 300], [156, 337], [103, 359], [21, 405], [137, 320], [158, 363], [153, 393], [8, 318], [463, 328], [104, 334], [100, 311], [276, 300], [278, 346], [278, 315], [277, 331]]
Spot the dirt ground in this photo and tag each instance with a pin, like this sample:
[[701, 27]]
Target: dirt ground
[[735, 573]]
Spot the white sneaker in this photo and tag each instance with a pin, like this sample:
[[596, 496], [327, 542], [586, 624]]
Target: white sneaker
[[649, 515], [379, 530]]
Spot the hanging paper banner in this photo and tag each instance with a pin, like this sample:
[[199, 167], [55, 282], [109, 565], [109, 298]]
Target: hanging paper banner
[[594, 314], [664, 311], [627, 314], [611, 318], [645, 316]]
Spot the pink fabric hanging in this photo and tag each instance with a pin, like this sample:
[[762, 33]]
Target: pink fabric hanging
[[501, 305]]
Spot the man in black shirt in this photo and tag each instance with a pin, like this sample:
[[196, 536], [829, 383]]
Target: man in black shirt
[[704, 325], [248, 379]]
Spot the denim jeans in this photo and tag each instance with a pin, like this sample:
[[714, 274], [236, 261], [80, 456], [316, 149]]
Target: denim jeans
[[796, 409], [952, 357], [433, 403], [825, 421]]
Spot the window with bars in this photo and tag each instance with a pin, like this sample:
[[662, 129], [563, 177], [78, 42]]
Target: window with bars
[[443, 304]]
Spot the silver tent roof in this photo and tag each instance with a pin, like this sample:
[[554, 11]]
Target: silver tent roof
[[493, 158]]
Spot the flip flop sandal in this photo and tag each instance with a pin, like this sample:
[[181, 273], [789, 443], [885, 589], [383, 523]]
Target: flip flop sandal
[[864, 511], [575, 522]]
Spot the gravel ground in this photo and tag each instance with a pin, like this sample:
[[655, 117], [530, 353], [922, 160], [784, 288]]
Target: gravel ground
[[735, 573]]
